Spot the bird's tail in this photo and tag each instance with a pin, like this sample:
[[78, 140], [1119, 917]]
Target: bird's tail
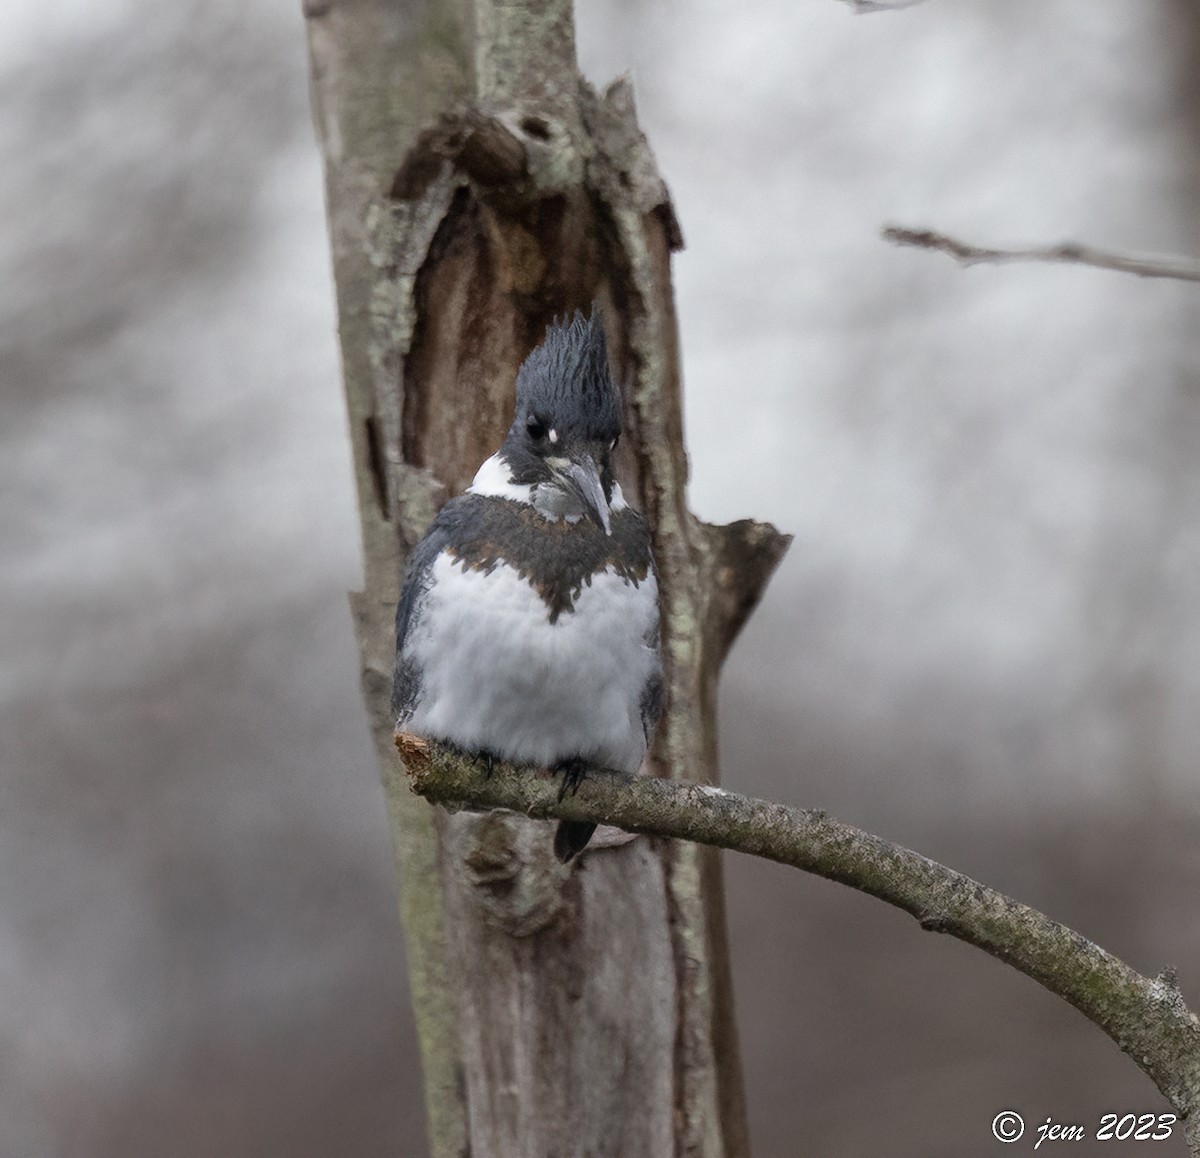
[[571, 837]]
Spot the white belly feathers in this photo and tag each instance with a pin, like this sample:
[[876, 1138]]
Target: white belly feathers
[[498, 676]]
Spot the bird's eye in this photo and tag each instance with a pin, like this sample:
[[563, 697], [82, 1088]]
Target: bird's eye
[[535, 428]]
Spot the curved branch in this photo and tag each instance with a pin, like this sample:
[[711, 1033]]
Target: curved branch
[[1145, 1016], [1066, 252]]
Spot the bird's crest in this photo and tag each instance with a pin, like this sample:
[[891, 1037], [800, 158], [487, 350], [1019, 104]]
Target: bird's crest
[[568, 377]]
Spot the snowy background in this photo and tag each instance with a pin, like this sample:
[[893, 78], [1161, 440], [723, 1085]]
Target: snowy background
[[985, 642]]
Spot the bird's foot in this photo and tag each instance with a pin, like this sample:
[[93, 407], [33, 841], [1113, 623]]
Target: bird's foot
[[488, 761], [571, 835], [573, 772]]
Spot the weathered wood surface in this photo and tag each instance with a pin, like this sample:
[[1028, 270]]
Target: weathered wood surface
[[477, 188]]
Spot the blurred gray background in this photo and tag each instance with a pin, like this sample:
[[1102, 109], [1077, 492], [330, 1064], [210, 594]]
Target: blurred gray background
[[985, 642]]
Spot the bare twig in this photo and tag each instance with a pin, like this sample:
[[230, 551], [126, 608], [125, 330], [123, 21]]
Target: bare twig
[[881, 5], [1068, 252], [1145, 1016]]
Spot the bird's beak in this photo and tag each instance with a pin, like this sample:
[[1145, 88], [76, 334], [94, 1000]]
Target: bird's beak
[[581, 479]]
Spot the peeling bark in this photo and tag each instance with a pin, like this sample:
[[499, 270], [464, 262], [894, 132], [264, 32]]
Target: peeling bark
[[478, 188]]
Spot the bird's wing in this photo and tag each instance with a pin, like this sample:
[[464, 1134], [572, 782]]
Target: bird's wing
[[652, 705], [405, 681], [653, 691]]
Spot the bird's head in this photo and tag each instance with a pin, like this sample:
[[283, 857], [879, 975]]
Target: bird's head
[[567, 423]]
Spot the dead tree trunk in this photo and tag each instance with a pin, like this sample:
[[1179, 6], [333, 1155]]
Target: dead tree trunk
[[477, 187]]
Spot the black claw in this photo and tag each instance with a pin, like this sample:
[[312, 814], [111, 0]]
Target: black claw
[[489, 760], [480, 755], [573, 772]]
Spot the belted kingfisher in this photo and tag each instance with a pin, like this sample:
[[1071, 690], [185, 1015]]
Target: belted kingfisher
[[528, 626]]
